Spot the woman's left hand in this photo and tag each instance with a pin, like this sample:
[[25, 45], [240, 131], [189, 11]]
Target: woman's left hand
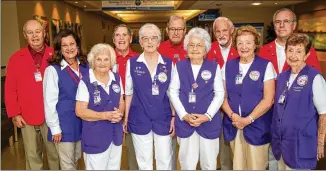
[[172, 127], [200, 118], [320, 151], [242, 122]]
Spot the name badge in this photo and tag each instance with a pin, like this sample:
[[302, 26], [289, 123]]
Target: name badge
[[281, 99], [155, 90], [192, 97], [97, 97], [37, 76], [238, 79]]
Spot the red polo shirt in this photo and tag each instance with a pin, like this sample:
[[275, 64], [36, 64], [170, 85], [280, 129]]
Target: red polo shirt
[[174, 52], [122, 64]]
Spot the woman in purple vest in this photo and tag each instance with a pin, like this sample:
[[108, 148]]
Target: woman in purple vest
[[60, 84], [100, 105], [197, 93], [148, 112], [250, 86], [299, 118]]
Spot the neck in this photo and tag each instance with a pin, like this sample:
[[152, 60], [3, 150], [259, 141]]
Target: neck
[[123, 52], [227, 44], [297, 69], [248, 59], [150, 55], [281, 40], [37, 48], [175, 44], [197, 61], [71, 61], [100, 75]]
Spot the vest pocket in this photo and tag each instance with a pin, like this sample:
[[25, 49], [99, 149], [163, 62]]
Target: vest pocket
[[307, 146]]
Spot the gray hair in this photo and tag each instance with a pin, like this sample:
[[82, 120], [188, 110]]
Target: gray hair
[[202, 34], [294, 17], [223, 19], [150, 26], [176, 17], [99, 49]]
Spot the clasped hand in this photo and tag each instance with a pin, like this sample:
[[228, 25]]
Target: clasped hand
[[195, 119]]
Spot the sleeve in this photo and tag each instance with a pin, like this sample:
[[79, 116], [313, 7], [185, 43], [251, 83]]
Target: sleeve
[[223, 72], [319, 93], [129, 83], [218, 94], [121, 87], [82, 92], [270, 72], [51, 97], [312, 59], [11, 88], [173, 93]]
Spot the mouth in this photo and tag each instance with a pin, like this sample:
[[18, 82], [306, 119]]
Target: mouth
[[122, 42]]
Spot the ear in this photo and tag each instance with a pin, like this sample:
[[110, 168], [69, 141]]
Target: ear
[[232, 30], [294, 25], [167, 30], [25, 35]]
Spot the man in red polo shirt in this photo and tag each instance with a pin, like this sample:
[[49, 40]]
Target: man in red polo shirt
[[173, 48], [24, 96], [222, 49], [285, 22], [122, 37]]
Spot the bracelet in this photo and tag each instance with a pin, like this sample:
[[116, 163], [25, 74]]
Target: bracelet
[[252, 119], [173, 116]]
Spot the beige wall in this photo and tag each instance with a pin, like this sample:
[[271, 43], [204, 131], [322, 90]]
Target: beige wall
[[15, 14]]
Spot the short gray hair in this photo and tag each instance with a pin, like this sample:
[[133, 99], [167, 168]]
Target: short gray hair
[[151, 26], [294, 17], [224, 19], [176, 17], [202, 34], [99, 49]]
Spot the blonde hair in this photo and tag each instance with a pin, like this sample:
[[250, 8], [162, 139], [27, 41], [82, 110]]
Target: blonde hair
[[99, 49], [247, 29]]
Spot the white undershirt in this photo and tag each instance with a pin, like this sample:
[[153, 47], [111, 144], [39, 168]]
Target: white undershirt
[[280, 52], [225, 52]]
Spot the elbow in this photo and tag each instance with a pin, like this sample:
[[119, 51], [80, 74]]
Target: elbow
[[78, 111]]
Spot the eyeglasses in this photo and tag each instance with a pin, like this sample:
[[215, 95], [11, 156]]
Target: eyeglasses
[[198, 46], [285, 22], [176, 29], [153, 39]]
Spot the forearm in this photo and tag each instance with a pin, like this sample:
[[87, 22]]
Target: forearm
[[172, 109], [226, 108], [89, 115], [122, 105], [128, 103], [321, 129], [263, 106]]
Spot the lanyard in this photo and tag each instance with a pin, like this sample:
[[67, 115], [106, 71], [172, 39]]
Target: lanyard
[[72, 75]]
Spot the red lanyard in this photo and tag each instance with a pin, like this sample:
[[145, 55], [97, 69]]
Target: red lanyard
[[72, 75]]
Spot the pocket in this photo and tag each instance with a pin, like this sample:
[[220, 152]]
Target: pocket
[[307, 146]]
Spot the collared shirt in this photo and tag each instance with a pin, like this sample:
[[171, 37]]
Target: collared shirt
[[281, 57], [129, 82], [121, 64], [174, 52], [82, 91], [37, 56], [51, 95]]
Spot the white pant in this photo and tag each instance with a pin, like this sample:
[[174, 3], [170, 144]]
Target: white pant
[[195, 146], [144, 151], [107, 160]]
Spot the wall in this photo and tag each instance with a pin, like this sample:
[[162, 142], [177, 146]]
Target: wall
[[15, 14]]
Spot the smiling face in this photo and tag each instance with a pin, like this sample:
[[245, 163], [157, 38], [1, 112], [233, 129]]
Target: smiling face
[[223, 32], [196, 48], [150, 40], [176, 31], [284, 24], [102, 61], [246, 45], [34, 34], [296, 55], [69, 48], [122, 39]]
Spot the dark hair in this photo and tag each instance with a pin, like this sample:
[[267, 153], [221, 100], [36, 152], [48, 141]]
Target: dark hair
[[56, 60], [299, 38]]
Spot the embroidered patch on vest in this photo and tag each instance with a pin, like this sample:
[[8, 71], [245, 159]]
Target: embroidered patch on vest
[[302, 80], [116, 88], [254, 75], [206, 75], [162, 77]]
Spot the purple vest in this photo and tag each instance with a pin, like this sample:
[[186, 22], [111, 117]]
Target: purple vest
[[149, 112], [98, 135], [204, 97], [70, 124], [295, 122], [248, 95]]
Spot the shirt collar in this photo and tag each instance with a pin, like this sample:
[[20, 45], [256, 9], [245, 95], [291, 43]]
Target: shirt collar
[[33, 52], [278, 45], [93, 79], [176, 46], [130, 52], [64, 63], [142, 59]]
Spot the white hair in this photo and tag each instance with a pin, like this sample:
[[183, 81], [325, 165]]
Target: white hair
[[294, 17], [99, 49], [150, 26], [223, 19], [176, 17], [201, 34]]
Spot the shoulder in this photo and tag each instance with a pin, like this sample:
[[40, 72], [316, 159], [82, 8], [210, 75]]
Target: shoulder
[[17, 55]]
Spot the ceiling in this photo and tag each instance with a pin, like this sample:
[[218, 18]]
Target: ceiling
[[185, 8]]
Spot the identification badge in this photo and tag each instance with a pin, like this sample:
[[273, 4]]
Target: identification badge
[[38, 76], [155, 90], [192, 97], [238, 79], [97, 97], [281, 99]]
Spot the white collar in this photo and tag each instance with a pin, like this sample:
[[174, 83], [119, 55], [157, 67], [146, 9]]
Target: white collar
[[92, 77], [64, 63], [141, 58], [278, 45]]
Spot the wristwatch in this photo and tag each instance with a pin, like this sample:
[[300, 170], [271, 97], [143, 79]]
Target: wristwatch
[[252, 119]]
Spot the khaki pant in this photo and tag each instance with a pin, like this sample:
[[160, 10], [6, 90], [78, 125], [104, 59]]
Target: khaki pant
[[69, 154], [225, 152], [282, 165], [246, 156], [34, 139], [132, 162]]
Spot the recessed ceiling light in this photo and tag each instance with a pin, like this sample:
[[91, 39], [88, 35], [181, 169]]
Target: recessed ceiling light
[[76, 2], [256, 3], [84, 6], [275, 3]]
